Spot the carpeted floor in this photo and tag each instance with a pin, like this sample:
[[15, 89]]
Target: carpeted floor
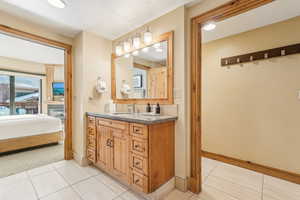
[[22, 161]]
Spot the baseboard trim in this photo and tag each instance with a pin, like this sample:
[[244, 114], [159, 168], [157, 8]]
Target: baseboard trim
[[181, 183], [278, 173]]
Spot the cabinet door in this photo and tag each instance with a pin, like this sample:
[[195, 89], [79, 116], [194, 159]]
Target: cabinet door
[[120, 154], [103, 146]]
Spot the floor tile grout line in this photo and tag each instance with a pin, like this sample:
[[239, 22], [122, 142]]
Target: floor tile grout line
[[232, 183], [35, 191], [210, 172], [244, 186], [223, 192]]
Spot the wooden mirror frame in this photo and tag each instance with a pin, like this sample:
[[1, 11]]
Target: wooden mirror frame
[[169, 37]]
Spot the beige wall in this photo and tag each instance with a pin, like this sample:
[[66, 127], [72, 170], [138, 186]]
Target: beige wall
[[174, 21], [92, 59], [252, 112]]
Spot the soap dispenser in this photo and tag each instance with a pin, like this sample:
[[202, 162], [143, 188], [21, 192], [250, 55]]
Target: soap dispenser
[[157, 109], [148, 108]]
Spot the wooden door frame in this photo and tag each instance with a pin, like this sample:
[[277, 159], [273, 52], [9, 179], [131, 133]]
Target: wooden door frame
[[230, 9], [68, 154]]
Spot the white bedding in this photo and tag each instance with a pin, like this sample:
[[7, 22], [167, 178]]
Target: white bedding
[[15, 126]]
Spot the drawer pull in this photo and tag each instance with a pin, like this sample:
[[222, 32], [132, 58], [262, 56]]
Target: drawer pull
[[137, 181], [108, 142]]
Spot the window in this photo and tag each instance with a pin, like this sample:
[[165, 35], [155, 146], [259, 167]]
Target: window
[[20, 95], [4, 95]]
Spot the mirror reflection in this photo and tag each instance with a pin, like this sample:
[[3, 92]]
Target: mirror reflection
[[143, 74]]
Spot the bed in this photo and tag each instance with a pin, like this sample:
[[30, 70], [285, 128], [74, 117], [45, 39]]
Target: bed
[[25, 131]]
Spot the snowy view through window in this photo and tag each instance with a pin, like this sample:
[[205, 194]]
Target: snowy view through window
[[26, 97]]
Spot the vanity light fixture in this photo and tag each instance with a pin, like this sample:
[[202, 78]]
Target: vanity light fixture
[[147, 36], [119, 50], [209, 26], [136, 41], [146, 49], [57, 3], [127, 45], [135, 53]]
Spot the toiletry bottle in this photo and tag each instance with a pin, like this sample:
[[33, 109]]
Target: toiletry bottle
[[157, 109], [148, 108]]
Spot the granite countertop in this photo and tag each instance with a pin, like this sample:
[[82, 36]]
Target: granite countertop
[[143, 118]]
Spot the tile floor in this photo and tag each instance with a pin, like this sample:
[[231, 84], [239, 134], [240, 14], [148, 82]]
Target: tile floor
[[65, 180], [226, 182]]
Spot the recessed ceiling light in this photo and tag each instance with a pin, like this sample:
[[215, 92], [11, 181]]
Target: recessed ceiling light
[[57, 3], [209, 26]]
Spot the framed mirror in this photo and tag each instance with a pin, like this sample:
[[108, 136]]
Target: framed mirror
[[144, 75]]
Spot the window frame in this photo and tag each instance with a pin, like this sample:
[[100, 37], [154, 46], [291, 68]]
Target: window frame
[[12, 92]]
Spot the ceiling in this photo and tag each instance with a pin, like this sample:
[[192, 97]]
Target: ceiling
[[277, 11], [16, 48], [108, 18]]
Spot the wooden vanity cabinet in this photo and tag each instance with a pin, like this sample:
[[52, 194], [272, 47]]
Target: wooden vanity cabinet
[[138, 155]]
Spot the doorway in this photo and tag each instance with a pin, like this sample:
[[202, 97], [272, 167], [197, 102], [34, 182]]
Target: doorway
[[233, 8], [59, 102]]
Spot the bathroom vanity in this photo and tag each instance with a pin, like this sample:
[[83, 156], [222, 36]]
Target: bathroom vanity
[[136, 149]]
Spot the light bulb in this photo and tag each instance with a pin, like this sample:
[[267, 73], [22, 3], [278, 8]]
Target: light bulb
[[127, 46], [136, 42], [209, 26], [147, 36], [119, 50]]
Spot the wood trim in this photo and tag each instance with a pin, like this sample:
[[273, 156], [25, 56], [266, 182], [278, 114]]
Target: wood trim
[[68, 77], [278, 173], [14, 144], [140, 66], [169, 36], [232, 8]]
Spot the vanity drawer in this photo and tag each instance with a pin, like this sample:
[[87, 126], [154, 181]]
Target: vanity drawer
[[91, 142], [112, 123], [139, 163], [139, 146], [91, 121], [139, 181], [139, 130], [91, 155], [91, 132]]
